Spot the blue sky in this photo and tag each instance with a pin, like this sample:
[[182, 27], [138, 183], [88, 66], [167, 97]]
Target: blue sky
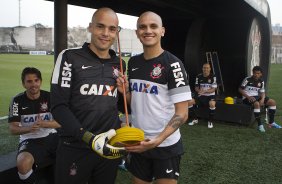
[[42, 12]]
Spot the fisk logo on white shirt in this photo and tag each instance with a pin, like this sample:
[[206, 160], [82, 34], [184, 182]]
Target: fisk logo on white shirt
[[94, 89], [177, 73], [66, 75]]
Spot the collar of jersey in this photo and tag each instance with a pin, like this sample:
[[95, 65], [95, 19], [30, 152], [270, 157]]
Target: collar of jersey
[[111, 52]]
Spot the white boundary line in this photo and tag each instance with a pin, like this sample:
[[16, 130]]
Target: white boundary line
[[3, 117]]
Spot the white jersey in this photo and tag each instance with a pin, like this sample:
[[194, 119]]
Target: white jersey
[[156, 85]]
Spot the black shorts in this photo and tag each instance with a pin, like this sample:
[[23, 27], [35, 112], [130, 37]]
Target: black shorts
[[246, 101], [148, 169], [42, 149], [203, 101], [79, 164]]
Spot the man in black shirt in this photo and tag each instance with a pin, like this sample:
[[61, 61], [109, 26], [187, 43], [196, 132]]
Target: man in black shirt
[[30, 118], [84, 101], [253, 92]]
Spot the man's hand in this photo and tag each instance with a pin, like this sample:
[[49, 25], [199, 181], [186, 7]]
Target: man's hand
[[145, 145], [99, 144], [120, 80], [251, 99], [34, 128], [201, 92]]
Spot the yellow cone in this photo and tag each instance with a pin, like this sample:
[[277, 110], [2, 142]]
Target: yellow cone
[[127, 136]]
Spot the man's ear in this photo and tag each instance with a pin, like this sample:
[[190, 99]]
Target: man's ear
[[163, 31], [89, 27], [136, 33]]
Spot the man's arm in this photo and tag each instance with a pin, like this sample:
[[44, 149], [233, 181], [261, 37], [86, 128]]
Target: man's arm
[[197, 89], [60, 95], [244, 94], [16, 129], [48, 124], [210, 90], [262, 94], [179, 118]]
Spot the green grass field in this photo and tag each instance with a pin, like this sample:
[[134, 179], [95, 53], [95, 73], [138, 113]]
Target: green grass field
[[11, 67], [226, 154]]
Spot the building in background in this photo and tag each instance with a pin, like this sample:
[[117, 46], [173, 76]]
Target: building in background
[[276, 56], [40, 38], [24, 39]]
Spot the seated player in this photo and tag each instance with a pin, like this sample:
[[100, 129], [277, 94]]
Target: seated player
[[30, 118], [253, 93], [205, 86]]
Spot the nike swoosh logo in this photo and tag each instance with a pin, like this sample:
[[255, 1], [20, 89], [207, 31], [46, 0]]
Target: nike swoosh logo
[[168, 171], [133, 69], [23, 108], [85, 67]]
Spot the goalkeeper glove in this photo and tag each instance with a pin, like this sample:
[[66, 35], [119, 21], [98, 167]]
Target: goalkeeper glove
[[99, 143]]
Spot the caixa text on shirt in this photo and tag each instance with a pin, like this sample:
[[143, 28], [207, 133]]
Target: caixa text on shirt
[[144, 87], [94, 89], [28, 120], [248, 88]]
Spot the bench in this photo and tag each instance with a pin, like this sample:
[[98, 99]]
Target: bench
[[234, 113], [9, 172]]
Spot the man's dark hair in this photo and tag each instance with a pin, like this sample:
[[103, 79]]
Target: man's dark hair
[[257, 68], [31, 70]]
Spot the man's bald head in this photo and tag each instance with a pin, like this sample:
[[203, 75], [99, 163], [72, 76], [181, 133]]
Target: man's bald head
[[103, 29], [103, 11], [150, 15]]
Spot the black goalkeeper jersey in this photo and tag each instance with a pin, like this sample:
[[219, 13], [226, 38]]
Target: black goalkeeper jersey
[[84, 93]]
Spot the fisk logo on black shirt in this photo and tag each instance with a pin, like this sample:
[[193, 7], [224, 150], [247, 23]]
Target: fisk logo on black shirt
[[66, 75], [15, 109], [177, 73]]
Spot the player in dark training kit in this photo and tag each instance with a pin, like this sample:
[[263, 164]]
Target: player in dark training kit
[[253, 92], [159, 93], [30, 118], [84, 101]]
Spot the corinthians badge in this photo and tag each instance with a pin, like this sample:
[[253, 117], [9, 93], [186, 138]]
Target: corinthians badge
[[115, 72], [44, 106], [157, 71]]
